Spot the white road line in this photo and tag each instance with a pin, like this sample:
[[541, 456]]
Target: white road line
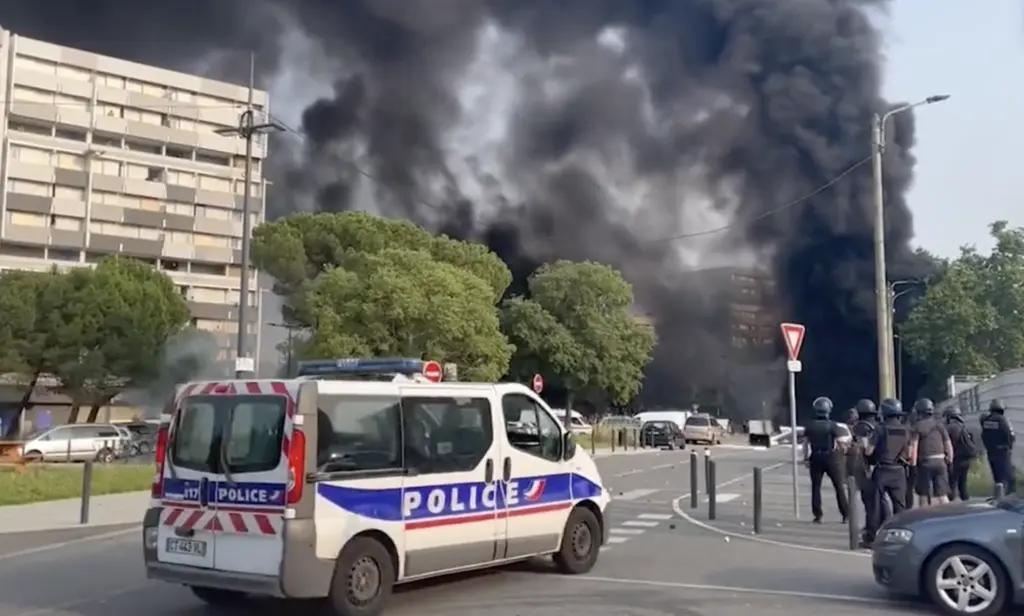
[[633, 495], [640, 523], [625, 531], [655, 516], [613, 540], [66, 544], [723, 498]]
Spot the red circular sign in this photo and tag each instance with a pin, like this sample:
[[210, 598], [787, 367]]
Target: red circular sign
[[538, 383], [432, 371]]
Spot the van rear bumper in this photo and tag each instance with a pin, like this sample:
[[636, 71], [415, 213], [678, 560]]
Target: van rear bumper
[[302, 575]]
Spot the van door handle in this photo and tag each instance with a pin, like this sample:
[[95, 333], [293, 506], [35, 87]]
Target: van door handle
[[489, 472], [506, 471]]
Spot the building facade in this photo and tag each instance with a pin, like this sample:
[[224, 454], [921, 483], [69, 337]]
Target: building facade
[[102, 156]]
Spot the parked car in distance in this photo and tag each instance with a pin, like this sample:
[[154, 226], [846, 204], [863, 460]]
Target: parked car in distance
[[701, 428], [573, 420], [74, 443], [143, 435], [664, 434], [618, 421]]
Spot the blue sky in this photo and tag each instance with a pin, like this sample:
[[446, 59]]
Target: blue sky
[[970, 149]]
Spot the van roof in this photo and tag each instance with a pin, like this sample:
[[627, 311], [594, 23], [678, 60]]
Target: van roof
[[370, 388]]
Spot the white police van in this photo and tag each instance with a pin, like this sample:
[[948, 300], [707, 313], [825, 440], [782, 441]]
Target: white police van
[[359, 475]]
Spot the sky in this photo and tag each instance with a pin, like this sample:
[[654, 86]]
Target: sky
[[969, 152]]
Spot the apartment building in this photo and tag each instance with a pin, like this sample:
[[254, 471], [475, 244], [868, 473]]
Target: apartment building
[[102, 156]]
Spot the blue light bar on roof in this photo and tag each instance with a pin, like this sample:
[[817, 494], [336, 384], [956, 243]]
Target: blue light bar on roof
[[354, 366]]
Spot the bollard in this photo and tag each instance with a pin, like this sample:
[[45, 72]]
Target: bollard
[[67, 455], [593, 440], [636, 439], [83, 516], [998, 490], [712, 496], [693, 480], [707, 471], [852, 523], [757, 500], [613, 440]]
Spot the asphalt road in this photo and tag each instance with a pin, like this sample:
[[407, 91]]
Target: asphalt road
[[658, 563]]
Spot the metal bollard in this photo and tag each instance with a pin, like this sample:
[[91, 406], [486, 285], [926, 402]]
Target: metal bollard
[[712, 496], [707, 471], [614, 435], [636, 439], [83, 516], [67, 455], [998, 490], [694, 488], [593, 440], [852, 523], [757, 500]]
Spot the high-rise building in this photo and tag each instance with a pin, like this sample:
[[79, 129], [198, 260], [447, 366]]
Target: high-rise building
[[102, 156]]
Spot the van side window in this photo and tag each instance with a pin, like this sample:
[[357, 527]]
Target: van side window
[[446, 435], [358, 433], [530, 428]]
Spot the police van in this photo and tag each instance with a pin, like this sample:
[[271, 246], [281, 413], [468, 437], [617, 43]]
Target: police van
[[359, 475]]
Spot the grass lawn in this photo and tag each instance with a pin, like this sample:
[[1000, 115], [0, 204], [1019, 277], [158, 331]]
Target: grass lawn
[[35, 483], [979, 481]]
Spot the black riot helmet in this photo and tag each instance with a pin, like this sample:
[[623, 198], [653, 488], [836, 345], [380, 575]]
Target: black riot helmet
[[924, 407], [996, 406], [866, 408], [951, 412], [891, 408], [822, 406]]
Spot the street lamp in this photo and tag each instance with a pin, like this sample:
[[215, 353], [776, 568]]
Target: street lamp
[[883, 314], [911, 284], [291, 330]]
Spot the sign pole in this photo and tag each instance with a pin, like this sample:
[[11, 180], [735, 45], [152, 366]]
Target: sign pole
[[794, 439], [793, 336]]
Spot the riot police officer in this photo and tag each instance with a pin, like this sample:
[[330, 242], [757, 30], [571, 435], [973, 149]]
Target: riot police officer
[[932, 453], [859, 464], [822, 455], [998, 437], [964, 452], [891, 453]]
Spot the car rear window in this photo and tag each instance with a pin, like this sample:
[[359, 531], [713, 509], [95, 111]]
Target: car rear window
[[251, 425], [698, 422]]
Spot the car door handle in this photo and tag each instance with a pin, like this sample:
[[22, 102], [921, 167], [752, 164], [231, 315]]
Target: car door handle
[[506, 471], [489, 472]]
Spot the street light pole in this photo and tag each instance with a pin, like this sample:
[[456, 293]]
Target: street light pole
[[893, 296], [883, 313], [247, 129], [290, 353]]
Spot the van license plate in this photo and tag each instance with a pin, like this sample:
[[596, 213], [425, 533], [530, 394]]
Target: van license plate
[[186, 546]]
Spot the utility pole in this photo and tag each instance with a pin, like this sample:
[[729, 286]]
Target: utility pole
[[247, 129], [883, 310], [291, 339]]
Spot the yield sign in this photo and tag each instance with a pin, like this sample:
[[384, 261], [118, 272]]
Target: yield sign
[[793, 334]]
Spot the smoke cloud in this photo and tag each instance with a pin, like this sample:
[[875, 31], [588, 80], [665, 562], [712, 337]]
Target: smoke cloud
[[580, 129]]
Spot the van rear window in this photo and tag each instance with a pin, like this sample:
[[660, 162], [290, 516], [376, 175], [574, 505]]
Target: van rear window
[[243, 431], [698, 422]]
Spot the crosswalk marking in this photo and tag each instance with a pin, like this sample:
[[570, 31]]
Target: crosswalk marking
[[655, 516], [613, 540], [640, 523], [625, 531], [633, 495]]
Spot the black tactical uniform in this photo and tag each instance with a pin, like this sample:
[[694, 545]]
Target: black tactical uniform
[[964, 453], [891, 451], [909, 419], [998, 437], [824, 457], [931, 463], [859, 464]]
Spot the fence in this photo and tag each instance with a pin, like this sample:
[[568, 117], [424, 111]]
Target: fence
[[1009, 388]]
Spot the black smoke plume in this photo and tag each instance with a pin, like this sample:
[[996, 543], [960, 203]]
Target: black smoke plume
[[582, 129]]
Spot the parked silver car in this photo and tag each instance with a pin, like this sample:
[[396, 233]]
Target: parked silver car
[[75, 443]]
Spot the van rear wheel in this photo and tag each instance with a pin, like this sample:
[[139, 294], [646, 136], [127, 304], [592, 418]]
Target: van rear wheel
[[581, 542], [219, 597], [363, 579]]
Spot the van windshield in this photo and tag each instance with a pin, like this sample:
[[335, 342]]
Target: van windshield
[[252, 426]]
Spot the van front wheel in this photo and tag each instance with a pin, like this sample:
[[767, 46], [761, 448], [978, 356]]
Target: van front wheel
[[363, 579], [581, 542]]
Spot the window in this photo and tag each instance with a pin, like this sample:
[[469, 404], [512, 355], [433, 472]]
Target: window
[[75, 103], [66, 160], [358, 433], [445, 435], [73, 73], [63, 223], [68, 192], [31, 155], [530, 428], [27, 187], [697, 421], [25, 63], [105, 167], [32, 95], [27, 220], [251, 425], [155, 174], [207, 182]]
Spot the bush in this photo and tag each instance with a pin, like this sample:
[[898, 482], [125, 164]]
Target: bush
[[45, 482]]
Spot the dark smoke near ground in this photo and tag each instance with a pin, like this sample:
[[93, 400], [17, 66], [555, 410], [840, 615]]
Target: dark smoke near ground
[[581, 129]]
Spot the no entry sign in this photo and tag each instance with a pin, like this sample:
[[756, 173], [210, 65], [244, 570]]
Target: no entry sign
[[538, 383], [432, 372]]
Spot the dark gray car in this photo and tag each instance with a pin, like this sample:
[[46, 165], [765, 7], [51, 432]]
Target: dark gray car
[[967, 558]]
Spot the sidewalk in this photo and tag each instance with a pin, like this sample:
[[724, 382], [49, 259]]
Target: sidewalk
[[104, 510]]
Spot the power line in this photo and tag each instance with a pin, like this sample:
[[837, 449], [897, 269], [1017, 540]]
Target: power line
[[771, 212]]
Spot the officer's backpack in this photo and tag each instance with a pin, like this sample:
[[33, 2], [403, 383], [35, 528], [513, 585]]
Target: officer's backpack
[[965, 447]]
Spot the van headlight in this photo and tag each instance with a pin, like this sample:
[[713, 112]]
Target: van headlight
[[897, 536]]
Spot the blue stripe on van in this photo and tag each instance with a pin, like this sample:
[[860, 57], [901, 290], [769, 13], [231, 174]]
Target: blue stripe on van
[[255, 493]]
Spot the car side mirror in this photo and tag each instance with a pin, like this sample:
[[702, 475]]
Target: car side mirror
[[568, 446]]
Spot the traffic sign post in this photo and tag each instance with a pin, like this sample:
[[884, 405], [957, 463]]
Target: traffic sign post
[[793, 335], [433, 372], [538, 383]]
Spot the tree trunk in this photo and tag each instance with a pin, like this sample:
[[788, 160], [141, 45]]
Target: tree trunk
[[25, 404], [73, 415], [97, 404]]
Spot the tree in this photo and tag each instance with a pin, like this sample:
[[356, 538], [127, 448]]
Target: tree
[[578, 327], [403, 303], [971, 320], [114, 326]]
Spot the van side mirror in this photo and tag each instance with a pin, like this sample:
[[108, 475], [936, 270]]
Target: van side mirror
[[568, 446]]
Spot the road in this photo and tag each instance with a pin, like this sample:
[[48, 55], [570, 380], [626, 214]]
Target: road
[[658, 563]]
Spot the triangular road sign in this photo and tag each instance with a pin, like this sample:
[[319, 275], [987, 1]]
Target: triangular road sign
[[793, 334]]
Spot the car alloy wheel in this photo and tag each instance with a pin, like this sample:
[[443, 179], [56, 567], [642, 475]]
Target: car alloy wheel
[[966, 584]]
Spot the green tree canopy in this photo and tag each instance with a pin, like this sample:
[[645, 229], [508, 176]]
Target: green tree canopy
[[578, 328], [971, 320]]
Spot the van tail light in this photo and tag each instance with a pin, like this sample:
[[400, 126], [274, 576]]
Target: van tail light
[[296, 466], [161, 457]]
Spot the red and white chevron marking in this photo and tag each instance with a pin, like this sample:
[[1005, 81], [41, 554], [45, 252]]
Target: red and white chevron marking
[[238, 522]]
